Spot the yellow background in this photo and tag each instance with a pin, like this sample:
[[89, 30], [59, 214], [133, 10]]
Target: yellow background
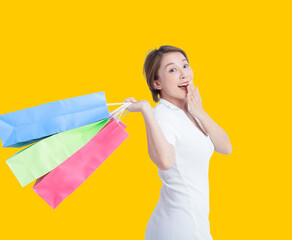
[[240, 53]]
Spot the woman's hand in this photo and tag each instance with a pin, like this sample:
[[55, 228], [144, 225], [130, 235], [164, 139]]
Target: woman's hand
[[195, 101], [136, 106]]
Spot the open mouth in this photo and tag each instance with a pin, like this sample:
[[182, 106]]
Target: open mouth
[[184, 86]]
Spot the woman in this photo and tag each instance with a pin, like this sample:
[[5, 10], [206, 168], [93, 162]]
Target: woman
[[181, 139]]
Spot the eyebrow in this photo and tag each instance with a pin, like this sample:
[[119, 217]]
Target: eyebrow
[[172, 63]]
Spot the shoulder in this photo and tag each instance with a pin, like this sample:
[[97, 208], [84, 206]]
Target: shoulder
[[161, 112], [165, 118]]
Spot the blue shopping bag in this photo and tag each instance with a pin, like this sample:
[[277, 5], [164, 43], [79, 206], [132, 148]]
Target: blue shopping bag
[[23, 127]]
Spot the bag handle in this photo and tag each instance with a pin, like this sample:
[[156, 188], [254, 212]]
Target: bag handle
[[108, 104], [116, 114]]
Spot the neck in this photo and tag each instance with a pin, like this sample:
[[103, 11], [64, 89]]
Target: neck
[[180, 103]]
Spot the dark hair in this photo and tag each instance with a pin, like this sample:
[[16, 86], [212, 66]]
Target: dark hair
[[152, 65]]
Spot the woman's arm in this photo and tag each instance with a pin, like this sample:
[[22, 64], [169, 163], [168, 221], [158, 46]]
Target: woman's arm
[[161, 152], [218, 136]]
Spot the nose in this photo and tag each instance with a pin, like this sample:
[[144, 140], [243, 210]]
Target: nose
[[183, 74]]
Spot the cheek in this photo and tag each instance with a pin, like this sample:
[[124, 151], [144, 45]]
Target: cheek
[[191, 73], [170, 87]]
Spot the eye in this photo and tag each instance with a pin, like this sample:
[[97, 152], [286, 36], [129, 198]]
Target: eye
[[174, 68]]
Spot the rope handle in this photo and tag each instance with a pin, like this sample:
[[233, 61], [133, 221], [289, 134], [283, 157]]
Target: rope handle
[[118, 113], [109, 104]]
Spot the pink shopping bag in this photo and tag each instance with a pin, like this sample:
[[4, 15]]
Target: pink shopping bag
[[68, 176]]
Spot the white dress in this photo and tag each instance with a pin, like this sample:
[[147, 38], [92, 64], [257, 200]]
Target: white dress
[[182, 212]]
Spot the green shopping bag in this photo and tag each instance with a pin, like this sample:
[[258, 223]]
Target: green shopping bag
[[45, 155]]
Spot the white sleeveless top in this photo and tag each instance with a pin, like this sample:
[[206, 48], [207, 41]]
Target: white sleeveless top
[[182, 212]]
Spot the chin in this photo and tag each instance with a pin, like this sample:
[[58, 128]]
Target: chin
[[182, 98]]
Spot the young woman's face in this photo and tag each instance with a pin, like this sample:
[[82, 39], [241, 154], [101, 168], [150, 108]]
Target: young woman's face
[[174, 70]]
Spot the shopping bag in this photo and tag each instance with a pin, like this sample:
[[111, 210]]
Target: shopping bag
[[68, 176], [45, 155], [26, 126]]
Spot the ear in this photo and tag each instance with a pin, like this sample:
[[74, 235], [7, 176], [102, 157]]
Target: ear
[[157, 84]]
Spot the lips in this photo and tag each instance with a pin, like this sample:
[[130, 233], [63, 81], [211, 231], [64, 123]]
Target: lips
[[185, 83], [183, 88]]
